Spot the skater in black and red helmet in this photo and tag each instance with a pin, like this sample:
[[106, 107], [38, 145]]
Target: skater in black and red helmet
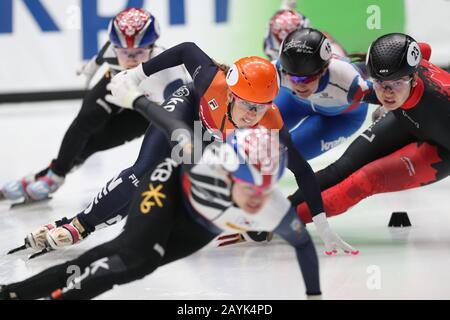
[[406, 148]]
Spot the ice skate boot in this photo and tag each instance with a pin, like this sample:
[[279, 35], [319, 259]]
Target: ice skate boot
[[16, 190], [44, 186]]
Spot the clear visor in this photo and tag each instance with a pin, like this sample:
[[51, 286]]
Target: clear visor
[[394, 85], [251, 189], [251, 106], [130, 53]]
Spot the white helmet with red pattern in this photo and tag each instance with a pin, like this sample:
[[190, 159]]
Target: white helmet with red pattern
[[133, 28], [280, 25]]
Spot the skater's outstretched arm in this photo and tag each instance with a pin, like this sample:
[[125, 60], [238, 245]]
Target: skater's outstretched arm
[[200, 66], [309, 187], [294, 232], [304, 174]]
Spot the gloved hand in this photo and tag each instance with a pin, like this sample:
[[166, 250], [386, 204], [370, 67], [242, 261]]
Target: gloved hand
[[251, 236], [36, 239], [378, 113], [330, 238], [65, 235], [124, 90], [314, 297], [88, 70]]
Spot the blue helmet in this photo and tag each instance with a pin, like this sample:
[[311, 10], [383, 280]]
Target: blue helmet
[[133, 28], [259, 159]]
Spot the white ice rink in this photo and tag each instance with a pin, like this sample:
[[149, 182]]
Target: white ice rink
[[410, 263]]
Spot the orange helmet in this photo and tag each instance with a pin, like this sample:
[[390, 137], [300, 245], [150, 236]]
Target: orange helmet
[[253, 79]]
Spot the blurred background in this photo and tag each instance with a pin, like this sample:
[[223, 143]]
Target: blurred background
[[43, 42]]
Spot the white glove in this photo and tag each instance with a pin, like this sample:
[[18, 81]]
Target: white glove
[[330, 238], [378, 113], [88, 70], [137, 74], [124, 90]]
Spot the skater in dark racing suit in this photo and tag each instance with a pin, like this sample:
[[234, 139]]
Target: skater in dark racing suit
[[406, 148], [177, 211]]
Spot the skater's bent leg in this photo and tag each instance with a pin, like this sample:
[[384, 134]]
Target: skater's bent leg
[[412, 166], [187, 237], [153, 212], [45, 282], [318, 134], [121, 128], [94, 113], [136, 252], [374, 143], [111, 203]]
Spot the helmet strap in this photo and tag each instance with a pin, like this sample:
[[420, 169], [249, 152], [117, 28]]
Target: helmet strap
[[230, 105], [231, 189], [150, 47]]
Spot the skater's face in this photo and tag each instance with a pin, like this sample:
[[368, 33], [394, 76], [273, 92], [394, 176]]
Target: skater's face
[[304, 86], [393, 93], [247, 114], [249, 197], [132, 57]]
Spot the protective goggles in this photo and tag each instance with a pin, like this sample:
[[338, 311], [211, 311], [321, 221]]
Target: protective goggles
[[394, 85], [305, 79], [250, 106], [252, 189], [129, 53]]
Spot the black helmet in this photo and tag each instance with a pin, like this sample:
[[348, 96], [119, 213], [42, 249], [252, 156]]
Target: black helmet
[[305, 52], [393, 56]]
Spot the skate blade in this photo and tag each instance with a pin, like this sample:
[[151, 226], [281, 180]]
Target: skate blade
[[28, 202], [40, 253], [17, 249]]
